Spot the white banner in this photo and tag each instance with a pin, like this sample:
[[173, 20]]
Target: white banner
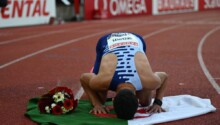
[[27, 12], [174, 6]]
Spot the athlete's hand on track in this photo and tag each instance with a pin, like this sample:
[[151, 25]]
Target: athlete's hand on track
[[99, 110], [155, 109]]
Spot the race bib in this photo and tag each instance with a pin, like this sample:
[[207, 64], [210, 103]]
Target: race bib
[[121, 39]]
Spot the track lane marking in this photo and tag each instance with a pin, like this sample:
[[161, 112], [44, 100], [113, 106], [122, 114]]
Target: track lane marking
[[175, 21], [63, 44], [79, 93], [161, 30], [82, 38], [29, 37], [201, 62], [40, 35]]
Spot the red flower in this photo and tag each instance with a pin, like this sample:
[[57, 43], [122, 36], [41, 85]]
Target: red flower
[[62, 107], [45, 100], [68, 104], [60, 89], [56, 110]]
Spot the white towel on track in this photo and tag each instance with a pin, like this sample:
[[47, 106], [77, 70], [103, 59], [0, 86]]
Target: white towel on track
[[177, 107]]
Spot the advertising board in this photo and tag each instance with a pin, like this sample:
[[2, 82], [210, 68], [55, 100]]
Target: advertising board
[[27, 12]]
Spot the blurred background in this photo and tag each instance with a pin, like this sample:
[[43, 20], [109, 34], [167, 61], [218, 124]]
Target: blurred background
[[48, 43], [35, 12]]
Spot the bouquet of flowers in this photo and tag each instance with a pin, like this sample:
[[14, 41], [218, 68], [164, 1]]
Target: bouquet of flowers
[[59, 100]]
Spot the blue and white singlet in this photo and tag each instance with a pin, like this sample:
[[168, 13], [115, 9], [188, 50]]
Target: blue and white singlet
[[124, 46]]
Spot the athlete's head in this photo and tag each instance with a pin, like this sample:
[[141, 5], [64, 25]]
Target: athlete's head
[[125, 104]]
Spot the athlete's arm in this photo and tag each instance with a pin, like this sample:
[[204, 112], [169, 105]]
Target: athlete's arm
[[159, 92], [91, 93]]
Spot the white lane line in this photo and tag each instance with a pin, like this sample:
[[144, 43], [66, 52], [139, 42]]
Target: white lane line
[[161, 30], [37, 35], [29, 37], [62, 44], [148, 22], [180, 23], [40, 35], [79, 93], [201, 62]]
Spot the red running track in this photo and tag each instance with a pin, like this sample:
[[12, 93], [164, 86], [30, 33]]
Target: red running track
[[36, 59]]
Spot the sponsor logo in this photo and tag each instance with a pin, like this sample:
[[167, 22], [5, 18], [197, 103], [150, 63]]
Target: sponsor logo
[[123, 44], [97, 6], [209, 4], [118, 7], [119, 34], [24, 8], [121, 39], [169, 5], [118, 39]]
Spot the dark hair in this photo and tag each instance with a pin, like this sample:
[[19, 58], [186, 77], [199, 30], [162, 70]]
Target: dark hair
[[125, 104]]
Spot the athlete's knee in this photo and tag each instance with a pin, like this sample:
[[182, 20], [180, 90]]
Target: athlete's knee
[[164, 74], [163, 77], [161, 74], [154, 83], [83, 80]]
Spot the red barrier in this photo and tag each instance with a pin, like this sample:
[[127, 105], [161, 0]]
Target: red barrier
[[116, 8], [76, 6]]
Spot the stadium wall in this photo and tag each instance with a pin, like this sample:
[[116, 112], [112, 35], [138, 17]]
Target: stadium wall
[[102, 9], [33, 12]]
